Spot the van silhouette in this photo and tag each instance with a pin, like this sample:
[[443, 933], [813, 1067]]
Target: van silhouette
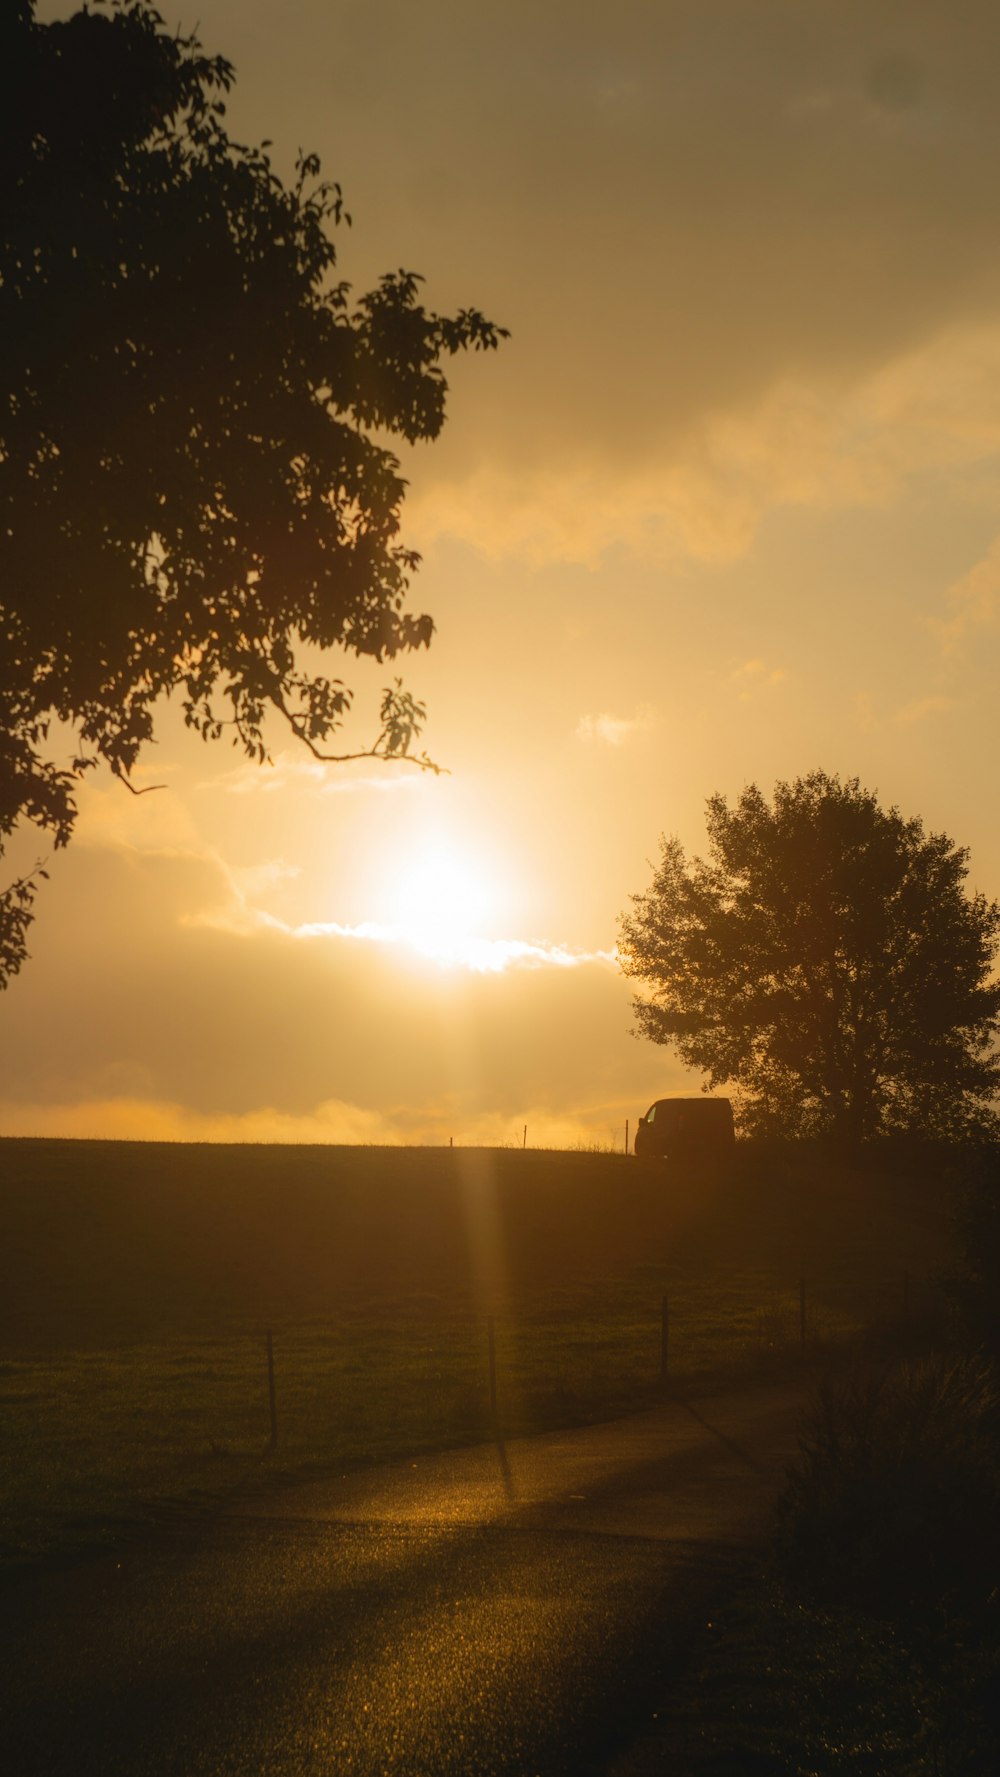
[[686, 1129]]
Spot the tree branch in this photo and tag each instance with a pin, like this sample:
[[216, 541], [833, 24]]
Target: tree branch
[[295, 723], [130, 787], [418, 759]]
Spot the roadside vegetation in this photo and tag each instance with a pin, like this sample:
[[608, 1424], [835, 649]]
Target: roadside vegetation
[[871, 1644]]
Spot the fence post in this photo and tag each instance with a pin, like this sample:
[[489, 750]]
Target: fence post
[[492, 1340], [664, 1337], [524, 1142], [270, 1389], [802, 1312], [626, 1135]]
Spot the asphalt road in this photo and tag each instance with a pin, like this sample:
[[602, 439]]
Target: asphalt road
[[505, 1609]]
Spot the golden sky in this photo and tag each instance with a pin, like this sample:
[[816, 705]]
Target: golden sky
[[725, 508]]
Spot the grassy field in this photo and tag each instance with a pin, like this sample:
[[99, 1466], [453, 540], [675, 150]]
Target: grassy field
[[137, 1282]]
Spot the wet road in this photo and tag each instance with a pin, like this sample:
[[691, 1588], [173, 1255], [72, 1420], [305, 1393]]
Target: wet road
[[496, 1610]]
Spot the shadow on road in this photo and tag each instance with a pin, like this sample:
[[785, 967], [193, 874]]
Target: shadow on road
[[735, 1449]]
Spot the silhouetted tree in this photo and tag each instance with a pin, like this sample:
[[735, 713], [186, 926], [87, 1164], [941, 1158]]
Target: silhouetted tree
[[195, 488], [826, 961]]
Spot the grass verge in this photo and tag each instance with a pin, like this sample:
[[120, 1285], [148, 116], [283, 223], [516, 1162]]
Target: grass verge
[[776, 1686]]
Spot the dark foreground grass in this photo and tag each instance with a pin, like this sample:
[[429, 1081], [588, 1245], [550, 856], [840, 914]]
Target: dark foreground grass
[[778, 1688], [137, 1283], [872, 1643]]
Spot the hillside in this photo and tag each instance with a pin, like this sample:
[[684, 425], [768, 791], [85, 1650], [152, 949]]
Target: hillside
[[98, 1239]]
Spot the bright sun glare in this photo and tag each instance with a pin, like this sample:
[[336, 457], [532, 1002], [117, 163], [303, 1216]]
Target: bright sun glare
[[441, 903]]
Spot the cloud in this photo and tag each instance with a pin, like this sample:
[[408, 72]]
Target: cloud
[[973, 600], [921, 708], [284, 772], [856, 440], [712, 230], [864, 711], [614, 731], [255, 879], [664, 512], [482, 956], [755, 676], [145, 1119], [794, 294], [110, 816], [907, 715]]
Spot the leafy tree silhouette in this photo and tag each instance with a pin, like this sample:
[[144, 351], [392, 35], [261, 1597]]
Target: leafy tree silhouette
[[827, 961], [196, 489]]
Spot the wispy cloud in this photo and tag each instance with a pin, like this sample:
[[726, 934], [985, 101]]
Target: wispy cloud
[[286, 772], [864, 711], [148, 1119], [758, 672], [973, 601], [481, 956], [755, 677], [249, 880], [614, 731], [921, 708], [907, 715], [825, 443]]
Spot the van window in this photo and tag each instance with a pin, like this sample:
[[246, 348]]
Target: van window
[[651, 1113]]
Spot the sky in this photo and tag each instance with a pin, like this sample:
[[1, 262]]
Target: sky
[[724, 509]]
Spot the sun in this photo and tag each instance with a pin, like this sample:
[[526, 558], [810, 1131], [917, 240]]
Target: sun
[[441, 902]]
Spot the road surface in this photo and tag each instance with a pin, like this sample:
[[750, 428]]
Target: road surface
[[498, 1610]]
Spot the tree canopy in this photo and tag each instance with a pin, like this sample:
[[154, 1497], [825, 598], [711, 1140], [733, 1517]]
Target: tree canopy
[[827, 961], [197, 488]]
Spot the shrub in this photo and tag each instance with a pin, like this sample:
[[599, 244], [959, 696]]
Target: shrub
[[894, 1503], [975, 1285]]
